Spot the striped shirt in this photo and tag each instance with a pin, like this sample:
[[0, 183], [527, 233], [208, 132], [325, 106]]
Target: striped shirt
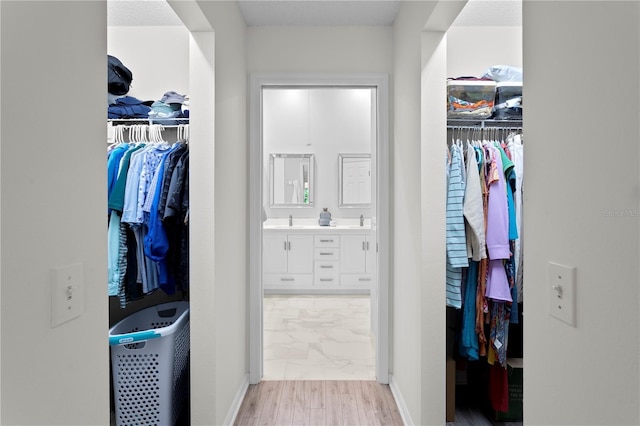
[[455, 232]]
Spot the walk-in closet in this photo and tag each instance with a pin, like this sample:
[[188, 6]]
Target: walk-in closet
[[148, 141], [484, 223]]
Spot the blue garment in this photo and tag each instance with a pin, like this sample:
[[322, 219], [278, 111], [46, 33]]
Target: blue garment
[[116, 196], [455, 231], [468, 337], [151, 160], [113, 166], [128, 107], [456, 243], [113, 242], [510, 179], [130, 205], [156, 243]]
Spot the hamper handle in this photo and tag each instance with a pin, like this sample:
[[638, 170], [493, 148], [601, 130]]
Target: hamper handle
[[137, 336]]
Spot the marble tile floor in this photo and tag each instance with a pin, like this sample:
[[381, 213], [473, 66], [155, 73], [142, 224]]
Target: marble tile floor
[[318, 337]]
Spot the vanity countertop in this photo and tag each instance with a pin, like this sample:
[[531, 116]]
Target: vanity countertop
[[298, 228], [302, 225]]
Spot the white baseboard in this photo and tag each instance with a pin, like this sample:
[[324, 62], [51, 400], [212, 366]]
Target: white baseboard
[[402, 406], [237, 401]]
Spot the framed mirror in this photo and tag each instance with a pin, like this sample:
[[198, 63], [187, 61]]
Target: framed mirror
[[291, 180], [354, 180]]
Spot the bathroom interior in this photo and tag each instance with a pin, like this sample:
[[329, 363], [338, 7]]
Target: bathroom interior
[[319, 232]]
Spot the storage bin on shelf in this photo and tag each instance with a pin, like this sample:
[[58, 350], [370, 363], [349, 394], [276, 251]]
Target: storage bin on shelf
[[150, 365], [470, 98], [508, 104]]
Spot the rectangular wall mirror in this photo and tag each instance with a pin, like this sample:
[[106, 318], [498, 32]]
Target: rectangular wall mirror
[[291, 180], [354, 180]]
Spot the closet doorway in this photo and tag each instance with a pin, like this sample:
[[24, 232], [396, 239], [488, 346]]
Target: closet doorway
[[472, 393], [319, 228]]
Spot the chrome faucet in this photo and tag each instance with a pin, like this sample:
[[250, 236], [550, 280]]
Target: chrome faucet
[[361, 220], [290, 220]]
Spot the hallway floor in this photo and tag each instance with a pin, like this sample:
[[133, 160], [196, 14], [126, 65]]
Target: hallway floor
[[318, 402], [313, 337]]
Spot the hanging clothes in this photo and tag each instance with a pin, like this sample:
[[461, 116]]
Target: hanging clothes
[[491, 211], [514, 143], [141, 258]]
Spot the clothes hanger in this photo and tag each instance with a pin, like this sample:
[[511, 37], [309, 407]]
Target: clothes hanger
[[118, 134]]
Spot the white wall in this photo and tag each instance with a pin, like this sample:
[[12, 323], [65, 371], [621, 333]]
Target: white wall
[[323, 122], [53, 211], [581, 209], [229, 325], [410, 364], [472, 50], [158, 57], [319, 50]]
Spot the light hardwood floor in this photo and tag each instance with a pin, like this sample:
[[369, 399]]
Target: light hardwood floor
[[318, 402]]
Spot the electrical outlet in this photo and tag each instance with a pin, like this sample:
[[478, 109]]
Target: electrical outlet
[[562, 292], [66, 294]]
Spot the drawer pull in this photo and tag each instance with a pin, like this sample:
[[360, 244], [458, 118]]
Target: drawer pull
[[326, 266], [326, 279], [364, 279], [287, 279], [326, 253], [326, 241]]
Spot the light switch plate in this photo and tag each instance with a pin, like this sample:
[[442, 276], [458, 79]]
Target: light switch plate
[[562, 292], [66, 294]]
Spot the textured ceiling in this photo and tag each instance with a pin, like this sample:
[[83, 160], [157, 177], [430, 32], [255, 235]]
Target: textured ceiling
[[141, 13], [314, 12], [318, 13], [491, 13]]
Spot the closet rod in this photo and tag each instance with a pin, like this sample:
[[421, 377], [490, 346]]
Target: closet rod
[[147, 120], [482, 122], [483, 128], [164, 127]]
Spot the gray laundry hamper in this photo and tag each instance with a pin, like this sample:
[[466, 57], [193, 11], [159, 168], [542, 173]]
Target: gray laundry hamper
[[150, 365]]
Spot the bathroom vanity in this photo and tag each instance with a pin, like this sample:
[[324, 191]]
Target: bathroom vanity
[[318, 259]]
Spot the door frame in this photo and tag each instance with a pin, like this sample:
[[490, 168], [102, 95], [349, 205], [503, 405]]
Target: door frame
[[256, 173]]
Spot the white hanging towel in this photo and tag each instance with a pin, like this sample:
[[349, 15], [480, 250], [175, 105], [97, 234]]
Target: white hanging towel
[[295, 197]]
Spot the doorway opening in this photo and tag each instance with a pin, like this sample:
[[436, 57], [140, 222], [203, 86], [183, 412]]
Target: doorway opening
[[319, 228]]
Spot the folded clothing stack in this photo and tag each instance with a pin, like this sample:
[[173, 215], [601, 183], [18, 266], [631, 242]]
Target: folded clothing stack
[[127, 107], [169, 109]]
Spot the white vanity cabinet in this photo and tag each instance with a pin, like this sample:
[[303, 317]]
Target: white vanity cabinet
[[287, 259], [318, 260], [357, 257], [326, 260]]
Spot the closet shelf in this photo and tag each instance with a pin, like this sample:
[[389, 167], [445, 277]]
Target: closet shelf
[[165, 122], [483, 123]]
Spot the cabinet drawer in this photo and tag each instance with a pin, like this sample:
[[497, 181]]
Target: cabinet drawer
[[281, 280], [356, 280], [326, 273], [326, 241], [328, 253]]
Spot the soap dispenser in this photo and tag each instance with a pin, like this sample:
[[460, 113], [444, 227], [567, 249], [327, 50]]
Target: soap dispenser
[[325, 217]]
